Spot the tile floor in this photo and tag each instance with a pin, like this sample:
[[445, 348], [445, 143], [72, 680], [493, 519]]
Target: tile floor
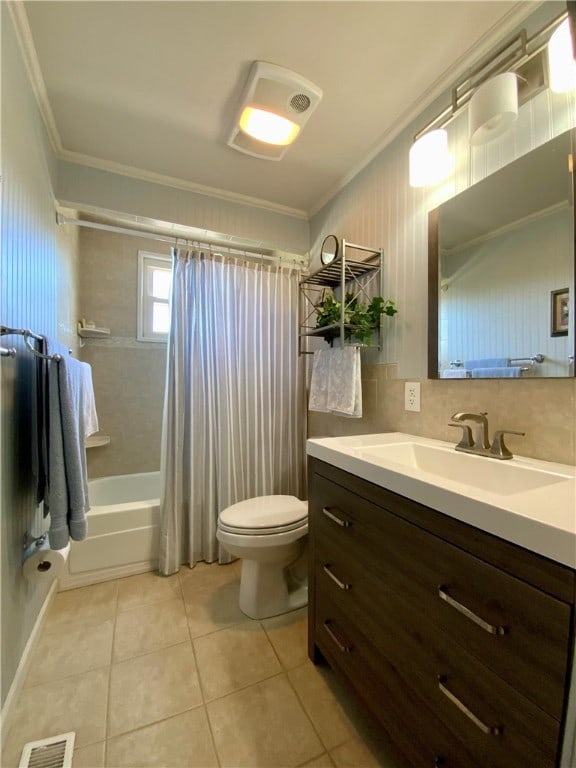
[[167, 672]]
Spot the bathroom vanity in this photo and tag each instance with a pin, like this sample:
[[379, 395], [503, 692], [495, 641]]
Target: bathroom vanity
[[446, 607]]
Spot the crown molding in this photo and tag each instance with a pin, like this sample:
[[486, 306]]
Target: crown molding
[[141, 174], [28, 50]]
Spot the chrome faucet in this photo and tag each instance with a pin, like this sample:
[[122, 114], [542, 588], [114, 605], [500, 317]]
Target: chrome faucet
[[480, 445]]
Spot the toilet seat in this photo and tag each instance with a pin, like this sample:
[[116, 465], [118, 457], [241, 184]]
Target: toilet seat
[[264, 515]]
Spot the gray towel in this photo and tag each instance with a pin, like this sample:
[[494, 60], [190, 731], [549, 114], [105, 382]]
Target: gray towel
[[66, 496]]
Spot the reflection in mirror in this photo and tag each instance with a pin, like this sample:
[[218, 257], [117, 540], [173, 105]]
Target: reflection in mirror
[[329, 250], [500, 255]]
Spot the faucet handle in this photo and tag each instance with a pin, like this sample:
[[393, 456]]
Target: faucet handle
[[466, 440], [498, 449]]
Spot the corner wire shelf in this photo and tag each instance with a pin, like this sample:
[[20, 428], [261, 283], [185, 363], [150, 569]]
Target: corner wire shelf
[[343, 274]]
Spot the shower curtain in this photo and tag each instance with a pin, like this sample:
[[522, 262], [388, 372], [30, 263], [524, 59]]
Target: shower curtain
[[233, 408]]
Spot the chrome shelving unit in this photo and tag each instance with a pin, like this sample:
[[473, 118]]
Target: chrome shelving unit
[[343, 276]]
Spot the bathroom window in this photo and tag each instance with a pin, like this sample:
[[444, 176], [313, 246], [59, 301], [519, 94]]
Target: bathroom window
[[154, 280]]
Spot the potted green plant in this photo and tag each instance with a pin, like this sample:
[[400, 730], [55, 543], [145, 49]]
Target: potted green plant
[[360, 318]]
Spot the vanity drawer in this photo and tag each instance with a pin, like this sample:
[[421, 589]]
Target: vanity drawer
[[480, 709], [415, 730], [515, 629]]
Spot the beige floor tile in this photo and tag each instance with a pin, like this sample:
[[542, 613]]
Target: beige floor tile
[[331, 721], [210, 574], [149, 688], [263, 725], [90, 757], [234, 658], [289, 636], [148, 627], [356, 754], [183, 741], [211, 607], [90, 605], [146, 588], [76, 703], [324, 761], [70, 650]]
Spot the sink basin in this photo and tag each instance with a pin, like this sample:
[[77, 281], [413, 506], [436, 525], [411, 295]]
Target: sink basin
[[492, 475]]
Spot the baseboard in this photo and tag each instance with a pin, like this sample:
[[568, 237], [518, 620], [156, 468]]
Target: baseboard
[[22, 670], [73, 581]]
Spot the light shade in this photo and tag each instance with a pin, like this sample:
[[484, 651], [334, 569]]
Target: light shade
[[561, 64], [430, 162], [493, 108], [267, 126]]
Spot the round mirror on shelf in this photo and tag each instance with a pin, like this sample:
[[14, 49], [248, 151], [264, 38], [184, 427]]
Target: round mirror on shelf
[[329, 250]]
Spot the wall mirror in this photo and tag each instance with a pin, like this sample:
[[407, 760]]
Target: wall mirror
[[502, 272]]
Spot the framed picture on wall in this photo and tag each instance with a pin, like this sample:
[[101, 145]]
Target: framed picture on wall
[[559, 312]]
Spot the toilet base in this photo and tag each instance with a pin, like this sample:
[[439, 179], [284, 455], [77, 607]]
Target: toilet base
[[267, 590]]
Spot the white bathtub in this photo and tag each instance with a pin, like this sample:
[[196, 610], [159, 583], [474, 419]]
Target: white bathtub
[[123, 531]]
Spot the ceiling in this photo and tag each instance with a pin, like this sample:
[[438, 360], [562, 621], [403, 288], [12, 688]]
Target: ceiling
[[151, 87]]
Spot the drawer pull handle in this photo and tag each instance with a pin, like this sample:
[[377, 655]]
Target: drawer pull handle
[[493, 730], [335, 579], [341, 647], [491, 628], [335, 518]]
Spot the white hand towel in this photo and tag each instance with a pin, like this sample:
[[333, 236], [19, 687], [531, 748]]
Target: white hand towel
[[88, 402], [344, 383], [455, 373], [318, 397]]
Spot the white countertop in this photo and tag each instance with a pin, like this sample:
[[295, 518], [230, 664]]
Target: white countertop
[[542, 519]]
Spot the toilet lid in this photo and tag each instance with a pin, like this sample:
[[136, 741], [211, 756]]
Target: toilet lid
[[265, 513]]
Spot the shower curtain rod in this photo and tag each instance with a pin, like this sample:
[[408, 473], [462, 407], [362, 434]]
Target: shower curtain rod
[[277, 256]]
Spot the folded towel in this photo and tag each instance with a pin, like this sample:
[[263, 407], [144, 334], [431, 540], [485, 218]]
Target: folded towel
[[318, 397], [510, 372], [56, 492], [66, 496], [455, 373], [335, 386], [489, 362], [344, 383], [88, 402]]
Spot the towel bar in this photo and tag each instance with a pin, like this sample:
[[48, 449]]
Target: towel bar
[[5, 331]]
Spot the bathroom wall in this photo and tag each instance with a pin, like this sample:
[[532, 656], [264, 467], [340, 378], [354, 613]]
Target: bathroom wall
[[379, 208], [156, 198], [37, 291], [128, 375]]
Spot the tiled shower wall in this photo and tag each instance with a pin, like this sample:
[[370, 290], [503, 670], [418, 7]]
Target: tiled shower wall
[[128, 375], [379, 208]]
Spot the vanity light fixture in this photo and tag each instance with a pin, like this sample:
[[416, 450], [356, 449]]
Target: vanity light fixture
[[430, 161], [561, 64], [493, 108], [510, 76], [276, 104]]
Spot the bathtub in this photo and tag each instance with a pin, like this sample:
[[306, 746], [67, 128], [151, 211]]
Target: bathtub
[[123, 531]]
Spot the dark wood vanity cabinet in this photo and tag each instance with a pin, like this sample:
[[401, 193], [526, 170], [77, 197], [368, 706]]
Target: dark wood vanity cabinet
[[458, 642]]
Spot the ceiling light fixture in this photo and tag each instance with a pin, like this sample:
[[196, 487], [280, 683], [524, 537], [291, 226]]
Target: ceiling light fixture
[[510, 76], [276, 104]]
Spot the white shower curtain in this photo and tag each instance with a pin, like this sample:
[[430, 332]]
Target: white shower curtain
[[233, 409]]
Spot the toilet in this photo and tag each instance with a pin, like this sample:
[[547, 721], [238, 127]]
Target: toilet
[[269, 534]]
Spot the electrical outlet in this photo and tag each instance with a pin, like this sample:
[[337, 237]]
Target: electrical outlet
[[412, 396]]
